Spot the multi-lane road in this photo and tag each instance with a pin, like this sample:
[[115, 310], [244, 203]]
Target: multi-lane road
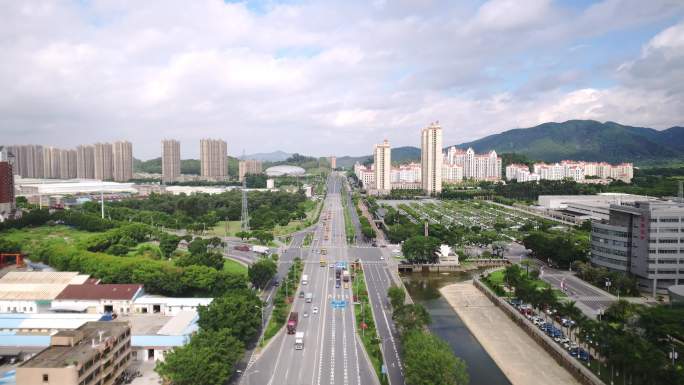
[[332, 352]]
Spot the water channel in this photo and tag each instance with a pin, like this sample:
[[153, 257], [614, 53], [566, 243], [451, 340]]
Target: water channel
[[424, 289]]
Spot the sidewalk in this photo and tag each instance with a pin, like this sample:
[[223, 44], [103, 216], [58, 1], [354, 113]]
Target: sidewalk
[[520, 358]]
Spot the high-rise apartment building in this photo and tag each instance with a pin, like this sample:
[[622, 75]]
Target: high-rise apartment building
[[382, 158], [333, 162], [249, 166], [213, 159], [122, 161], [67, 164], [431, 158], [51, 162], [85, 162], [170, 160], [7, 207], [642, 239], [103, 161], [95, 353], [28, 160], [474, 166]]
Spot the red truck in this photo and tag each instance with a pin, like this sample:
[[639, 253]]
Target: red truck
[[292, 322], [242, 248]]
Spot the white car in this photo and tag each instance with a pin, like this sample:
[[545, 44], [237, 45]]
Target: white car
[[315, 310], [382, 258]]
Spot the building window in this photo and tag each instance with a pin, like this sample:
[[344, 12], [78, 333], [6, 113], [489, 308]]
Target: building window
[[45, 378]]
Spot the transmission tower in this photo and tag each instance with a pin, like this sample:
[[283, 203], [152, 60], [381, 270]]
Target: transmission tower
[[245, 210]]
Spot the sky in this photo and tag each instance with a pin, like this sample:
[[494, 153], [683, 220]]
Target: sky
[[330, 77]]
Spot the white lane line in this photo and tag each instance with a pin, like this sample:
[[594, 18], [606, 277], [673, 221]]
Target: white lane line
[[319, 345]]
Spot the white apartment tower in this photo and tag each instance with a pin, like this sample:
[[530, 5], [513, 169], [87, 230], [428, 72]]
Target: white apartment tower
[[431, 158], [213, 158], [170, 160], [382, 157], [85, 162], [122, 163], [103, 161]]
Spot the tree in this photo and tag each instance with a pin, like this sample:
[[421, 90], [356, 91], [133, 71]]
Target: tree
[[7, 246], [411, 317], [264, 237], [240, 311], [428, 360], [421, 249], [243, 235], [209, 359], [397, 296], [209, 259], [168, 244], [261, 272]]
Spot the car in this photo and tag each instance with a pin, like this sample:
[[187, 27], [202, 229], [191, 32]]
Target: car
[[382, 258], [332, 265], [306, 314], [314, 310], [301, 294], [337, 284]]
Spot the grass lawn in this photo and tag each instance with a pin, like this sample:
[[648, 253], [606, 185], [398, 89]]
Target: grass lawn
[[31, 237], [220, 229], [235, 267], [497, 278]]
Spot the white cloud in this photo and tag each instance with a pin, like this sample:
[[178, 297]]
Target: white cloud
[[315, 77]]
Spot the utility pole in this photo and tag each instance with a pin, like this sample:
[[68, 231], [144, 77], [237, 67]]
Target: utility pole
[[244, 225], [102, 202]]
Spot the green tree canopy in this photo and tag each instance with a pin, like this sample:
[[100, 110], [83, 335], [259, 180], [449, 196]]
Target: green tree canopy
[[261, 272], [428, 361]]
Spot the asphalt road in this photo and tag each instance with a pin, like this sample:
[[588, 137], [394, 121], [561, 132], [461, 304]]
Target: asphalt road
[[332, 353]]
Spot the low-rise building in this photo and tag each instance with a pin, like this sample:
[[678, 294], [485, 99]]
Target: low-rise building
[[155, 304], [34, 292], [103, 298], [95, 353]]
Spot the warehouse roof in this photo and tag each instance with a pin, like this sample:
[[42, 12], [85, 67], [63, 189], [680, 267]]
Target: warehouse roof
[[44, 277], [101, 291]]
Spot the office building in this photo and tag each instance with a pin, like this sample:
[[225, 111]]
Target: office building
[[382, 159], [171, 160], [122, 161], [643, 239], [85, 162], [213, 158], [103, 161], [249, 166], [477, 167], [431, 158], [96, 353]]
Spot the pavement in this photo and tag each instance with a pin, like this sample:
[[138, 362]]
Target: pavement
[[332, 354], [521, 359]]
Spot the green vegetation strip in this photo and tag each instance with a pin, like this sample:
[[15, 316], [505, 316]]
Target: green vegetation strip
[[349, 228], [283, 300], [364, 316]]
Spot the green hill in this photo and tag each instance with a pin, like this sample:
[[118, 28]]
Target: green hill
[[587, 140]]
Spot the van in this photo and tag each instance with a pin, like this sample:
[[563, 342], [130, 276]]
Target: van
[[308, 297]]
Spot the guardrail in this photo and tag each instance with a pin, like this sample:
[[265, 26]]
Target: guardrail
[[574, 367]]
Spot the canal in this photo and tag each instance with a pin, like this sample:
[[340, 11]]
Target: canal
[[424, 289]]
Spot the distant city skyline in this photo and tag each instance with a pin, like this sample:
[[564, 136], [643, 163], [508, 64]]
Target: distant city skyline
[[297, 77]]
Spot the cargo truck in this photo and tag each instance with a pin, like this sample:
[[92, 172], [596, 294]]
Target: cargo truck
[[345, 276], [305, 279], [292, 322], [309, 297], [299, 341]]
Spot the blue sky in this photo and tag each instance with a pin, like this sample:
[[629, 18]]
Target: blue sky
[[331, 77]]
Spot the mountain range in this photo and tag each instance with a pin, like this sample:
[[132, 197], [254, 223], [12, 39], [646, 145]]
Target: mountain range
[[574, 139], [550, 142]]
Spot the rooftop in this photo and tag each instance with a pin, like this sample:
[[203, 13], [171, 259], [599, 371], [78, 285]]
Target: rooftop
[[95, 336], [101, 291], [42, 321], [44, 277], [156, 299]]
